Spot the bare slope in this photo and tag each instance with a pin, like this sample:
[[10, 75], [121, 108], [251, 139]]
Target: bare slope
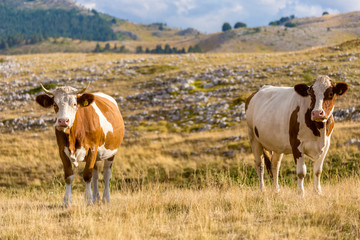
[[309, 32]]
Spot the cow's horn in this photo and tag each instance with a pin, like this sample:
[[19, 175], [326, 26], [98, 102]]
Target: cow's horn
[[83, 90], [45, 90]]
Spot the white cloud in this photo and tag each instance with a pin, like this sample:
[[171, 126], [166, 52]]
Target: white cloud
[[90, 5], [184, 6]]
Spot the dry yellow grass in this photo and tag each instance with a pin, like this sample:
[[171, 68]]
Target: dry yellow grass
[[162, 212]]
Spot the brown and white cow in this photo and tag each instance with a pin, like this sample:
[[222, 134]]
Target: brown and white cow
[[297, 120], [89, 127]]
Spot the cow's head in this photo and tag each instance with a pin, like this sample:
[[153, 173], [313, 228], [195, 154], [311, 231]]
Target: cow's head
[[322, 93], [66, 101]]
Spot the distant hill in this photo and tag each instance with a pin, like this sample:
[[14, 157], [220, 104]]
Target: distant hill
[[54, 22], [306, 33], [29, 22]]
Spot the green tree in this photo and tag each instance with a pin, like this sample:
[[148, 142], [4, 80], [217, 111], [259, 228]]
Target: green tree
[[226, 27], [107, 47], [239, 25], [167, 49], [97, 48], [325, 13], [122, 49], [139, 49], [159, 49], [197, 48]]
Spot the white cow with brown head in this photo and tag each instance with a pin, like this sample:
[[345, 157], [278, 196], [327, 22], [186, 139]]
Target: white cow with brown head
[[89, 127], [297, 120]]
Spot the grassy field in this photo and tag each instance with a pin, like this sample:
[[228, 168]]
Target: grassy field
[[172, 178], [160, 211]]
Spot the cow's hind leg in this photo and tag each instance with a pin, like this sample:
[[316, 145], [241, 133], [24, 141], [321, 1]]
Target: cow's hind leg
[[275, 166], [95, 182], [257, 150], [107, 175]]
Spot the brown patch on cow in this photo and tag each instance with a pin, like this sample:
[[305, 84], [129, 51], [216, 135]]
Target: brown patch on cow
[[89, 166], [329, 101], [113, 115], [44, 100], [302, 89], [63, 141], [312, 125], [341, 88], [330, 125], [301, 175], [267, 157], [294, 127], [256, 132], [313, 98], [86, 131], [56, 108], [249, 99]]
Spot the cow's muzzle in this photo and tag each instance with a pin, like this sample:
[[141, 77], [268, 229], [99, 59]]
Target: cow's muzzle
[[318, 116]]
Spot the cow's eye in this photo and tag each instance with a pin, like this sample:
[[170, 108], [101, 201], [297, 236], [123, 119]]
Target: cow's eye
[[74, 104], [331, 95]]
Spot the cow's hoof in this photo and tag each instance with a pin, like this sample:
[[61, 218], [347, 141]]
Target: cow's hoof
[[301, 193], [318, 192], [66, 205]]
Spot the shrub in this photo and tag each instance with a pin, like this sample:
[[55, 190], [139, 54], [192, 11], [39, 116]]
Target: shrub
[[290, 24], [239, 25], [226, 27]]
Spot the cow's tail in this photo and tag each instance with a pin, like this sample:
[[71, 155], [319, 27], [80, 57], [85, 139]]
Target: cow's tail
[[267, 160]]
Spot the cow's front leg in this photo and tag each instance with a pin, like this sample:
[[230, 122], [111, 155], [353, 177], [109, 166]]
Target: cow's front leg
[[67, 197], [318, 166], [87, 174], [107, 176], [301, 173], [69, 177]]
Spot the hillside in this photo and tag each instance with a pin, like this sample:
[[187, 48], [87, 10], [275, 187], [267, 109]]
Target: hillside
[[309, 32]]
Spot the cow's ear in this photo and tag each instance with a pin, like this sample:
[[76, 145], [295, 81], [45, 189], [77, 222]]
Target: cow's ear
[[302, 89], [44, 100], [85, 100], [340, 88]]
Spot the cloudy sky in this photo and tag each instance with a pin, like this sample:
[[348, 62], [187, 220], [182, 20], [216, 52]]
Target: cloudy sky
[[209, 15]]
